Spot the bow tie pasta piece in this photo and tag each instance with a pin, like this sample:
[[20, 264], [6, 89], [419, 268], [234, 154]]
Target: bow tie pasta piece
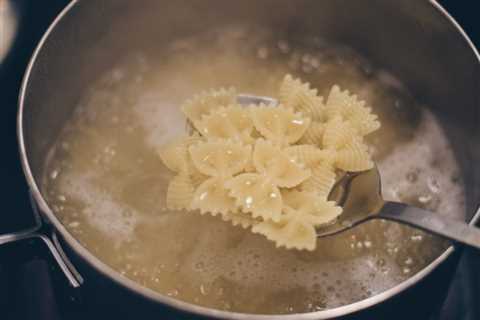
[[351, 152], [309, 207], [232, 122], [354, 157], [220, 158], [321, 182], [343, 104], [175, 155], [296, 227], [314, 134], [205, 102], [310, 156], [277, 166], [254, 193], [279, 124], [212, 197], [320, 162], [180, 192], [290, 232], [241, 219], [297, 95], [338, 133]]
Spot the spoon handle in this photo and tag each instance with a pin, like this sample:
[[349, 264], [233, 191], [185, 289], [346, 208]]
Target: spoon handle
[[431, 222]]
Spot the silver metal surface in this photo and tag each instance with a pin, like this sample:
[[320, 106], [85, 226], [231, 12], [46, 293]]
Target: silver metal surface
[[247, 99], [417, 40], [458, 231], [362, 200], [36, 232]]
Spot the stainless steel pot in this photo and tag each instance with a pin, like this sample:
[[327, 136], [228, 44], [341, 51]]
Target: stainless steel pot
[[417, 40]]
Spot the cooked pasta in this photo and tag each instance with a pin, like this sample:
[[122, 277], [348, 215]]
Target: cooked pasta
[[343, 104], [269, 168], [298, 96], [239, 219], [256, 194], [351, 153], [276, 165], [231, 122], [311, 207], [180, 192], [291, 232], [175, 154], [310, 156], [212, 197], [205, 102], [321, 181], [314, 134], [220, 158], [279, 124]]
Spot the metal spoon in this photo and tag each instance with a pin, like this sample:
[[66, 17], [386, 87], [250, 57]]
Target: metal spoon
[[360, 195]]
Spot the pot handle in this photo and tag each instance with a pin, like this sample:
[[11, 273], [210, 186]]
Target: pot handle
[[43, 233]]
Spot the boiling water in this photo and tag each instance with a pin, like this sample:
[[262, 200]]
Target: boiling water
[[107, 185]]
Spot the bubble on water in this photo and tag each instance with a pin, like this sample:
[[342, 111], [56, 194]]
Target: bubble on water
[[412, 176], [425, 199], [416, 238], [262, 53], [283, 46], [54, 174], [433, 185], [74, 224]]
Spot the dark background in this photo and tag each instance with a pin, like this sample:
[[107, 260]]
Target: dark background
[[35, 16]]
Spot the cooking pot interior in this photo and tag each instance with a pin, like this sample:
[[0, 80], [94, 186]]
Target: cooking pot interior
[[412, 39]]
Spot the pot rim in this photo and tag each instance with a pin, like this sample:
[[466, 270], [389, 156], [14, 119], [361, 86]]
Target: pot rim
[[151, 295]]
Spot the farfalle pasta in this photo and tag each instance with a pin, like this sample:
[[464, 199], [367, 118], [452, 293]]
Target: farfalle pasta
[[269, 168], [279, 124], [230, 122], [205, 102], [176, 157]]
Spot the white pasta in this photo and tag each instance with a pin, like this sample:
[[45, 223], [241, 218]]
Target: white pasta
[[180, 192], [254, 193], [343, 104], [351, 152], [310, 156], [291, 232], [298, 96], [205, 102], [354, 157], [321, 181], [220, 158], [232, 122], [279, 124], [277, 166], [175, 154], [314, 134], [310, 207], [212, 197], [241, 219], [269, 168]]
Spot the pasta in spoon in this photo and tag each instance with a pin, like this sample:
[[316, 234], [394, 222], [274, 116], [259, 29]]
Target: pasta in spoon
[[269, 168]]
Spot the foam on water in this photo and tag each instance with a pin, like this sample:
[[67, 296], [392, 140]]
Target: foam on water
[[107, 185], [420, 171], [113, 219]]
